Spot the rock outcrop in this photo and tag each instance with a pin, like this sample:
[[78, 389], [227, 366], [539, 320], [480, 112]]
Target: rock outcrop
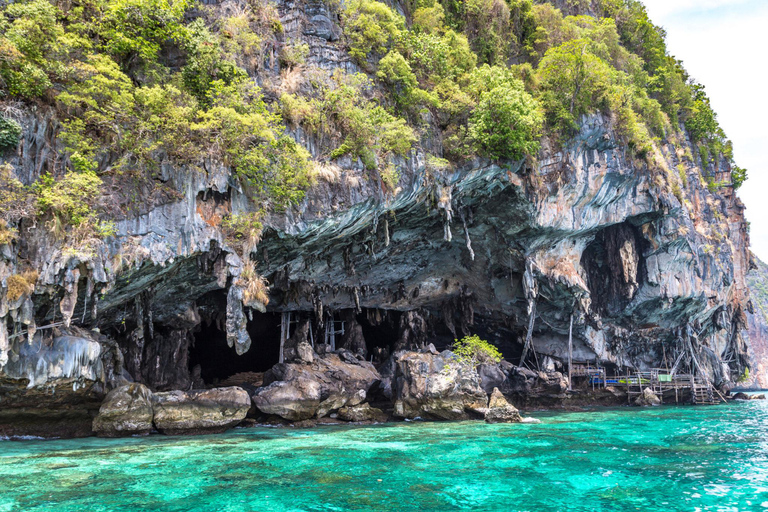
[[362, 412], [501, 411], [300, 391], [126, 411], [200, 411], [436, 386], [638, 255], [133, 409], [647, 398]]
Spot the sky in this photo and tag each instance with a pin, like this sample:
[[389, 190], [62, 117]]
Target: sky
[[724, 45]]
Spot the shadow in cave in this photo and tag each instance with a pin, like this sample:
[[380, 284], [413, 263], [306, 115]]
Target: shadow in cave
[[218, 361], [381, 329]]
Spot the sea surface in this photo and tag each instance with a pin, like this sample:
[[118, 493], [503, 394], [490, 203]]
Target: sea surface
[[655, 459]]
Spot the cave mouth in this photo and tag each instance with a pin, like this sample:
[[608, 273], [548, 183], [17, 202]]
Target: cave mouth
[[219, 362], [615, 267], [381, 330]]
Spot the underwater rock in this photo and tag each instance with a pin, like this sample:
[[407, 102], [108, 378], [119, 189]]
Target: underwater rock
[[436, 387], [200, 411], [501, 411], [126, 411], [362, 412]]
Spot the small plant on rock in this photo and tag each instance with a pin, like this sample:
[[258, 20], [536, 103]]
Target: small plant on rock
[[472, 351]]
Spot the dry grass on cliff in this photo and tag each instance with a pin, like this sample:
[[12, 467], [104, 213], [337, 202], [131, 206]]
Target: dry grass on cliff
[[255, 287], [20, 285]]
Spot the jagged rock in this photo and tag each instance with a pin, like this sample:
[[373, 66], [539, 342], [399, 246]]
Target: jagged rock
[[200, 411], [491, 377], [524, 382], [647, 398], [127, 410], [301, 391], [501, 411], [436, 387], [362, 412]]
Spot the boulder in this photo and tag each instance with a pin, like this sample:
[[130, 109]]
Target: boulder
[[126, 411], [492, 377], [436, 387], [740, 396], [200, 411], [362, 412], [647, 398], [299, 391], [501, 411], [305, 353], [758, 397]]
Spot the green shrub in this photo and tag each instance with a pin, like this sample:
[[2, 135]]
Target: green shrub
[[487, 28], [10, 131], [574, 82], [133, 29], [70, 199], [371, 27], [738, 176], [472, 351], [507, 122]]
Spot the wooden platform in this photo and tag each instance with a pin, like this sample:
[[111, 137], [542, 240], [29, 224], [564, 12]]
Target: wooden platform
[[670, 388]]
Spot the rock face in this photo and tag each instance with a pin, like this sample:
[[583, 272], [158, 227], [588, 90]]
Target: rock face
[[650, 264], [126, 411], [757, 320], [433, 386], [501, 411], [300, 391], [200, 411], [647, 398]]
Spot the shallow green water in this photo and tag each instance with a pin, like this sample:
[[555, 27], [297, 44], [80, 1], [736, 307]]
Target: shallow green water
[[664, 458]]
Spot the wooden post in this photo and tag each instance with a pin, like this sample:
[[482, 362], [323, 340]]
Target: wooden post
[[529, 335], [285, 325], [333, 334], [570, 354]]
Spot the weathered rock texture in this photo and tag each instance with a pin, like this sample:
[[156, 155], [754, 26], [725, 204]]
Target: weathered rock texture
[[199, 411], [436, 386], [652, 267], [757, 320], [501, 411], [300, 391], [126, 411]]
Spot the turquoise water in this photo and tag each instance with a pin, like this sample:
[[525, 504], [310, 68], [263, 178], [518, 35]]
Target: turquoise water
[[664, 458]]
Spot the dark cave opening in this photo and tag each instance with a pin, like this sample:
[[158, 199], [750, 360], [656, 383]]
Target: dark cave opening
[[381, 329], [615, 266], [218, 361]]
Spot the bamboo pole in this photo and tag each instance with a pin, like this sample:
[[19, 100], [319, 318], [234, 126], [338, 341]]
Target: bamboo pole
[[529, 335], [570, 354]]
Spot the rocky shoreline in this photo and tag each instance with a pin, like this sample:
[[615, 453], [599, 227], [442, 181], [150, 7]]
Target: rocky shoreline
[[332, 387]]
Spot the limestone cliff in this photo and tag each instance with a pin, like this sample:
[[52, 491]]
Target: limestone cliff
[[648, 263], [758, 326]]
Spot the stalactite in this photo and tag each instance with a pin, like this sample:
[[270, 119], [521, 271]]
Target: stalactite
[[68, 303], [386, 233], [466, 235], [356, 292]]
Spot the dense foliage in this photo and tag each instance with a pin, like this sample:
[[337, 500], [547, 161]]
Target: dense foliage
[[138, 83], [472, 351]]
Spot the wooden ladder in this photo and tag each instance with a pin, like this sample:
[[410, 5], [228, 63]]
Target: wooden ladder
[[702, 393]]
